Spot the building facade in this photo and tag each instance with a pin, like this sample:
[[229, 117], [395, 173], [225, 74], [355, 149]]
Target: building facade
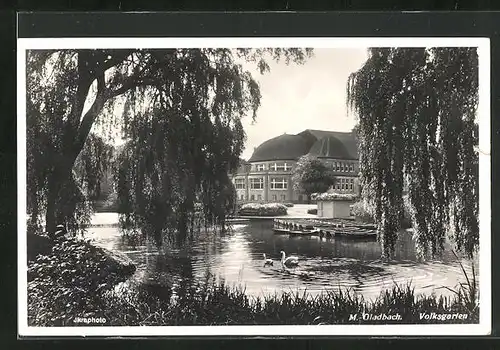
[[267, 176]]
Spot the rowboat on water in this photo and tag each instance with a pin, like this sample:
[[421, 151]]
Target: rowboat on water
[[280, 230], [304, 231], [357, 234], [236, 221], [314, 232]]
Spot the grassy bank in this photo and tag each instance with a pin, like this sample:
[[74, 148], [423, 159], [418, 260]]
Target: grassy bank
[[70, 283], [219, 304]]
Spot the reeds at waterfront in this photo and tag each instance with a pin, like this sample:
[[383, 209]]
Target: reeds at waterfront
[[215, 303]]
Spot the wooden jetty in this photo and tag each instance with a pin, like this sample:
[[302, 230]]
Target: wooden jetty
[[323, 228], [237, 221]]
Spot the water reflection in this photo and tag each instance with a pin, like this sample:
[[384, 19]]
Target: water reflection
[[237, 257]]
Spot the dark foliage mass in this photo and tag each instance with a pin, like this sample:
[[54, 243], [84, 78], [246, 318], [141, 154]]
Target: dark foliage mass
[[310, 176], [417, 125], [70, 281], [181, 115]]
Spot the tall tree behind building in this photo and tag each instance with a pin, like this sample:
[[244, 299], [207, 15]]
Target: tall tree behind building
[[310, 176]]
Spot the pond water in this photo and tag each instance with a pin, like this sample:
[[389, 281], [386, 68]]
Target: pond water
[[237, 257]]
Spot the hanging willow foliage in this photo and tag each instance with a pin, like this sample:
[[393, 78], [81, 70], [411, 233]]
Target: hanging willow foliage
[[417, 125], [51, 82], [175, 169], [182, 111]]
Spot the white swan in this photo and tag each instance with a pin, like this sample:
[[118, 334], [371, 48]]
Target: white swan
[[291, 261], [267, 262]]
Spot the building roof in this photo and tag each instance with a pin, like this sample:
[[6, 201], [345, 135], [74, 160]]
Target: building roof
[[284, 147], [335, 144], [319, 143], [332, 147]]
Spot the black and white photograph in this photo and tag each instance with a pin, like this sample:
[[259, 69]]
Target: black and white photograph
[[254, 186]]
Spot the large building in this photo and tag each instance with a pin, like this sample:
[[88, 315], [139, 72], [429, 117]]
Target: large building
[[267, 176]]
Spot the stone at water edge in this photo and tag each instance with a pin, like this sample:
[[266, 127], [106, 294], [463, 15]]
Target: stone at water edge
[[118, 263]]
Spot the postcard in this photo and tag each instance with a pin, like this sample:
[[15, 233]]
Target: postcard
[[274, 186]]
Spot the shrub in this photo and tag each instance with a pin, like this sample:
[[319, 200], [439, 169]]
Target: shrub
[[313, 211], [268, 209], [362, 211], [70, 281], [38, 244], [330, 196], [365, 212]]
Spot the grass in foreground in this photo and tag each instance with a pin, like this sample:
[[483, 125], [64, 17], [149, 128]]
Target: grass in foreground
[[212, 303]]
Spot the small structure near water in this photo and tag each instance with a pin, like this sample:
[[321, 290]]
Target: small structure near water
[[325, 228], [334, 205]]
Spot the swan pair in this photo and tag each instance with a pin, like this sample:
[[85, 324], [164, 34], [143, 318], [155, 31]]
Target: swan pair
[[290, 261]]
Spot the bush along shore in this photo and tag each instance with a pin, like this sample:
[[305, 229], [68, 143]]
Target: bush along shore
[[263, 209], [78, 280], [70, 278]]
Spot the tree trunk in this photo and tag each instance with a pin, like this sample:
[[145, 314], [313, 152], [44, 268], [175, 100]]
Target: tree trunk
[[56, 181]]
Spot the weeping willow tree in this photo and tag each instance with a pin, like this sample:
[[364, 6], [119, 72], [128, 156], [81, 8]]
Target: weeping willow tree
[[417, 131], [58, 192], [180, 112]]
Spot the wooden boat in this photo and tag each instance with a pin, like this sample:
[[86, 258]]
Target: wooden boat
[[280, 230], [236, 221], [314, 232], [357, 234]]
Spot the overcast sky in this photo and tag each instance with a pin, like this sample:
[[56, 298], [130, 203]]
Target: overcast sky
[[308, 96]]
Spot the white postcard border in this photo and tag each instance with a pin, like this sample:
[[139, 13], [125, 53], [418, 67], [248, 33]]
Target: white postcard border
[[484, 326]]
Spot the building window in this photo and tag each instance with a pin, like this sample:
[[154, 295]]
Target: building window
[[252, 197], [275, 198], [261, 167], [239, 184], [279, 183], [281, 167], [337, 166], [242, 197], [341, 167], [259, 197], [351, 167], [283, 197], [344, 184], [257, 183]]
